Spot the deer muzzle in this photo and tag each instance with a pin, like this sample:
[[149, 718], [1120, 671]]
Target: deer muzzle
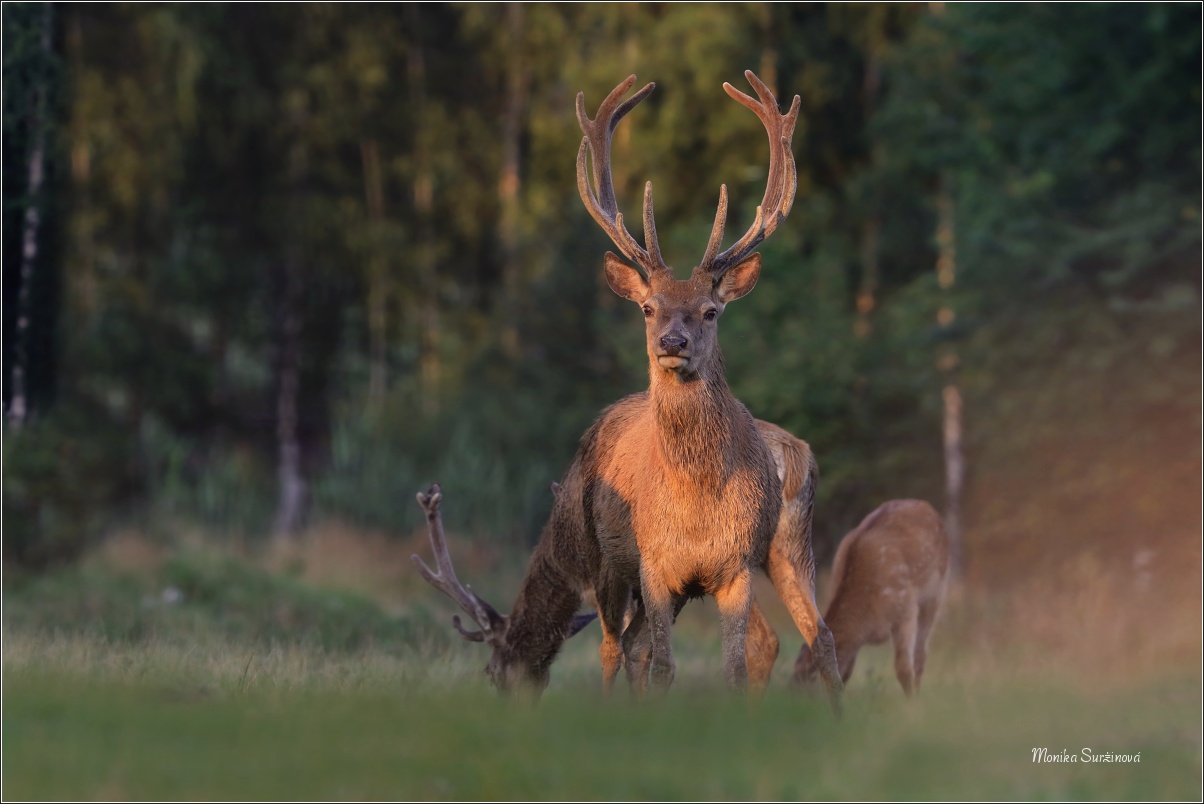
[[673, 353]]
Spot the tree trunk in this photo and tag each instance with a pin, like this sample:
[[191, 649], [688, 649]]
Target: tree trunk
[[18, 408], [510, 181], [954, 472], [292, 491], [430, 368], [867, 293], [948, 362], [377, 277]]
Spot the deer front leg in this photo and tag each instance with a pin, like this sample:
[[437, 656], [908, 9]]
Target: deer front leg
[[637, 650], [637, 645], [928, 610], [734, 601], [658, 608], [904, 636]]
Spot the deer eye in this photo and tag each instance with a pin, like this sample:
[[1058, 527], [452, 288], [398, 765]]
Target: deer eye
[[648, 311], [710, 314]]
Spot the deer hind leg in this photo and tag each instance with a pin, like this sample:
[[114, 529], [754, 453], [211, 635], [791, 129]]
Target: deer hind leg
[[611, 654], [904, 636], [928, 610], [793, 586], [734, 601], [613, 601], [760, 648]]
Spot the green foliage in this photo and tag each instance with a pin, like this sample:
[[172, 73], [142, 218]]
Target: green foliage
[[64, 476], [340, 172], [1071, 160]]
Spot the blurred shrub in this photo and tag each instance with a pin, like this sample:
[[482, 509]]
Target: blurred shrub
[[199, 595], [63, 474]]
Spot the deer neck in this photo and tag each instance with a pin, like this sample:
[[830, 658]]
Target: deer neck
[[846, 625], [542, 615], [695, 417]]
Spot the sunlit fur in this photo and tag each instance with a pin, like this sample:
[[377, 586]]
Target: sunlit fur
[[683, 495], [790, 565], [889, 577]]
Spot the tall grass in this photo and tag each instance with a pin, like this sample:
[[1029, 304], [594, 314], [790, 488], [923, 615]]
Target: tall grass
[[151, 672], [85, 720]]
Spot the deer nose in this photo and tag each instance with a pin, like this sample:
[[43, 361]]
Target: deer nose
[[673, 343]]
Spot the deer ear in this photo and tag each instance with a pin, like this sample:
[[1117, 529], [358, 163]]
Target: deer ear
[[740, 279], [625, 280]]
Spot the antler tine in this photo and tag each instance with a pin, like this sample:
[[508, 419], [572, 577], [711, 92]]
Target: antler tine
[[780, 185], [602, 205], [445, 579], [717, 229], [650, 238]]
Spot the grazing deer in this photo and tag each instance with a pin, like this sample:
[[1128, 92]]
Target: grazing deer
[[889, 578], [526, 641], [673, 492]]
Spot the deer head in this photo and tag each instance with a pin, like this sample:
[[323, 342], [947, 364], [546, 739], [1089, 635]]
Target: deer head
[[522, 652], [681, 315]]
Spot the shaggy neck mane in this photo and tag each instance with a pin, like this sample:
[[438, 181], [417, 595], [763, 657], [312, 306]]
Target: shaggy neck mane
[[694, 420]]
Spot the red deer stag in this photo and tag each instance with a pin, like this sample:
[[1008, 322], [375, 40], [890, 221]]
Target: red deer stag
[[889, 578], [672, 491]]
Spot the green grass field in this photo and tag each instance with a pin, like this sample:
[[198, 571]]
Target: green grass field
[[86, 719], [266, 685]]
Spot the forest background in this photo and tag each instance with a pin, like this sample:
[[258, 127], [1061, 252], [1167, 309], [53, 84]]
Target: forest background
[[270, 266]]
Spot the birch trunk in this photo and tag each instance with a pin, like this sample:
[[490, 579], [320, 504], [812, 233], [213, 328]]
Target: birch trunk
[[18, 408], [430, 367], [947, 362], [377, 277], [292, 490]]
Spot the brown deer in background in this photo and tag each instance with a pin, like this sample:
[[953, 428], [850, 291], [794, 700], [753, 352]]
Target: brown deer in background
[[673, 492], [889, 577]]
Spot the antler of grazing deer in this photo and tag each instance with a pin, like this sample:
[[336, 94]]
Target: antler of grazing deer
[[485, 616], [780, 186], [602, 206]]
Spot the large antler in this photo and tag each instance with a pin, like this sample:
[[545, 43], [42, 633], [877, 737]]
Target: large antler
[[602, 205], [780, 186], [486, 617]]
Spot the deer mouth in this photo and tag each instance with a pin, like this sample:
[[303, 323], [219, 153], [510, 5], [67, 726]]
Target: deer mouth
[[673, 361]]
